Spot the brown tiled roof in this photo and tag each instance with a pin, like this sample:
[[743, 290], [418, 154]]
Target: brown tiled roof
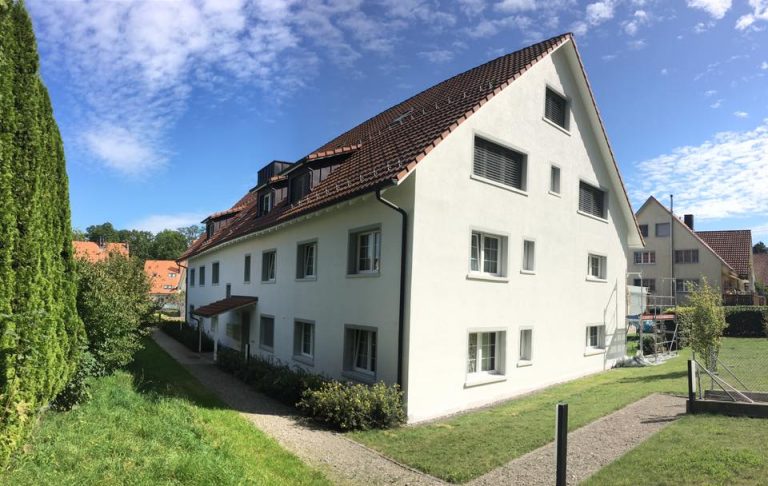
[[91, 251], [159, 273], [735, 246], [225, 305], [761, 267], [384, 149]]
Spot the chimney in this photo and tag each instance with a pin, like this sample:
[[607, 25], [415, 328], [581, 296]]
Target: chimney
[[688, 219]]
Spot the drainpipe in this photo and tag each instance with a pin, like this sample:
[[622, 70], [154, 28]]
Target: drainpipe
[[403, 268], [672, 243]]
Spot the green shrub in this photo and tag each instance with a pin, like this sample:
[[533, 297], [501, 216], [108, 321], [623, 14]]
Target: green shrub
[[348, 406], [77, 391], [746, 321], [187, 335]]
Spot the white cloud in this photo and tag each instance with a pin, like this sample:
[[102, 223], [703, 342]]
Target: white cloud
[[599, 12], [722, 177], [740, 114], [437, 56], [702, 27], [472, 8], [159, 222], [516, 5], [664, 71], [715, 8], [764, 66], [710, 92], [759, 13], [579, 28], [637, 44], [640, 17], [717, 104], [609, 57]]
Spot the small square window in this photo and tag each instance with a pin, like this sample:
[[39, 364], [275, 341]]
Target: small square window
[[485, 353], [268, 266], [556, 109], [215, 273], [306, 261], [595, 337], [644, 230], [365, 252], [596, 267], [486, 254], [304, 340], [526, 345], [267, 332], [529, 262], [554, 180], [662, 230], [592, 200]]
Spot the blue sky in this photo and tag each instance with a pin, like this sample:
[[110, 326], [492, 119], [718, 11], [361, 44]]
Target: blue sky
[[169, 108]]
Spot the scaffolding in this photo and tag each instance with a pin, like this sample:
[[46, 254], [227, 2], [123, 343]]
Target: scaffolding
[[650, 315]]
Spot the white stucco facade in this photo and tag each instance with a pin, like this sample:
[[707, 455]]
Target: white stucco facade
[[445, 302]]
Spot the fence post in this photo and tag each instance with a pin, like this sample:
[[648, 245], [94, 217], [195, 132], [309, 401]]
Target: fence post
[[561, 442], [691, 385]]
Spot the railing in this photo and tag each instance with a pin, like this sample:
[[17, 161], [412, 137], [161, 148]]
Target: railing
[[743, 299]]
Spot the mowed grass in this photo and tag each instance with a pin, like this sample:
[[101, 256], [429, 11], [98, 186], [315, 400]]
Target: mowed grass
[[466, 446], [155, 425], [696, 450]]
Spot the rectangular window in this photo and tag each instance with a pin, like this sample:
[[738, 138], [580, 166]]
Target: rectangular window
[[247, 269], [306, 260], [265, 203], [596, 267], [662, 229], [686, 284], [595, 337], [556, 109], [484, 353], [304, 339], [554, 180], [486, 254], [645, 257], [191, 277], [499, 164], [268, 266], [526, 344], [686, 256], [648, 283], [215, 273], [267, 332], [360, 350], [592, 200], [365, 252], [644, 230], [202, 276], [299, 186], [529, 263]]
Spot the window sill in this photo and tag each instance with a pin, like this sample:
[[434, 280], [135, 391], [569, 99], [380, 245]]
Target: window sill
[[304, 359], [214, 285], [307, 279], [594, 351], [268, 281], [357, 376], [364, 275], [483, 379], [487, 278], [499, 185], [562, 129], [524, 363], [595, 279], [553, 193], [528, 272], [247, 282], [592, 216]]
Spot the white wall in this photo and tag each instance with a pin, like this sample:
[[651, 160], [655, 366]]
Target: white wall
[[331, 301], [558, 301]]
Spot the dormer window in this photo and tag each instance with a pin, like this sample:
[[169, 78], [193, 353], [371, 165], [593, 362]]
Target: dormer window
[[299, 186], [209, 229], [265, 203]]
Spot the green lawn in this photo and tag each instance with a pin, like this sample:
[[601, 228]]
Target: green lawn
[[155, 425], [695, 450], [469, 445]]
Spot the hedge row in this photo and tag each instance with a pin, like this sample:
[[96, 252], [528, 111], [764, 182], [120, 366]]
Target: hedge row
[[187, 335], [743, 321], [344, 406]]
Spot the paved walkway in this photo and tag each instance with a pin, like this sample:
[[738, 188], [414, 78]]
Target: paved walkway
[[346, 462]]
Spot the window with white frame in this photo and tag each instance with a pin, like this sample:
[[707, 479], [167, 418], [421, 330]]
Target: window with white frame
[[247, 269], [304, 339], [365, 251], [360, 351], [526, 345], [265, 203], [306, 260], [596, 267], [662, 230], [556, 109], [554, 180], [215, 273], [499, 164], [645, 257], [529, 256], [592, 200], [687, 256], [268, 259], [267, 332], [487, 254], [485, 353], [595, 337]]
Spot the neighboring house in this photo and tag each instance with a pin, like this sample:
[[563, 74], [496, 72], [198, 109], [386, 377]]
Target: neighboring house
[[469, 243], [96, 252], [166, 279], [676, 258]]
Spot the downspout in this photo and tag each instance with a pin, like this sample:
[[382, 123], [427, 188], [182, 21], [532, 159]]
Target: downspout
[[672, 244], [403, 268]]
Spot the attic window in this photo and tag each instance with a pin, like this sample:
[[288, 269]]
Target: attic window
[[299, 186], [209, 229], [499, 164], [556, 109], [265, 203]]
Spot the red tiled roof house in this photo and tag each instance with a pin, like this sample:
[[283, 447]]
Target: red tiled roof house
[[96, 252], [425, 245]]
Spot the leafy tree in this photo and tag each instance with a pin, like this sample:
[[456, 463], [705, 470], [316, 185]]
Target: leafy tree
[[104, 231], [168, 245], [140, 243], [191, 233], [40, 332], [79, 235], [760, 248], [704, 322], [113, 301]]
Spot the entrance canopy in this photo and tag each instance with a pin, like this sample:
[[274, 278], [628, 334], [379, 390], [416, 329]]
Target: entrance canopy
[[225, 305]]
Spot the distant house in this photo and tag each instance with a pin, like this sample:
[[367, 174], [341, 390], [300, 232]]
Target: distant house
[[166, 278], [677, 258], [96, 252]]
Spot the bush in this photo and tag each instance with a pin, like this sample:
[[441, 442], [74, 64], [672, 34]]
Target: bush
[[348, 406], [704, 322], [113, 301], [77, 390], [746, 321], [187, 335]]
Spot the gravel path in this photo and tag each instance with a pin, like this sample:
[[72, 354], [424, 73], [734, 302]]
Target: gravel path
[[342, 460], [593, 446]]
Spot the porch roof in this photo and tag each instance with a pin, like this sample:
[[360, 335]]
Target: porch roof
[[225, 305]]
